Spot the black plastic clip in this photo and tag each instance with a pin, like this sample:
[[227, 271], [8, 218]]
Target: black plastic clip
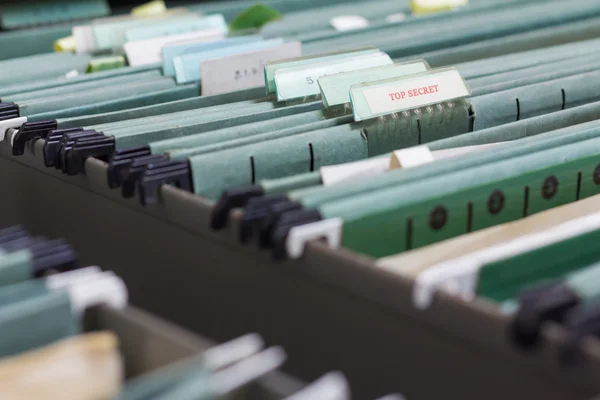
[[67, 141], [8, 111], [12, 233], [230, 199], [131, 176], [255, 211], [547, 302], [268, 223], [172, 172], [52, 144], [582, 321], [100, 147], [121, 160], [31, 131], [54, 255], [286, 222]]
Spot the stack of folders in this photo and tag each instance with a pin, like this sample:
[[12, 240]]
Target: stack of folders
[[390, 128], [45, 354]]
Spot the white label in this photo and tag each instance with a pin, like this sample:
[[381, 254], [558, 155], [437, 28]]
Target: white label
[[349, 22], [294, 83], [399, 17], [72, 74], [242, 71], [410, 92], [459, 151], [149, 51], [333, 174], [411, 157]]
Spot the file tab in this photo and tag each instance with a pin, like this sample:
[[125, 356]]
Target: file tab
[[271, 67], [242, 71], [335, 89], [177, 26], [395, 95], [187, 67], [149, 51], [299, 82], [172, 50]]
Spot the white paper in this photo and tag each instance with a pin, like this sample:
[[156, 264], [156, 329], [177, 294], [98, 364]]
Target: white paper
[[349, 22], [398, 17], [242, 71], [333, 174], [149, 51], [411, 157]]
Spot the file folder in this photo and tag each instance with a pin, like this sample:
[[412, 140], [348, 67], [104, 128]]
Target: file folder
[[531, 68]]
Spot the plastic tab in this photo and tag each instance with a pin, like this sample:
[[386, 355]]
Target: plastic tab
[[172, 50], [335, 88], [373, 99], [299, 82], [272, 67], [186, 24], [187, 67], [242, 71], [149, 51]]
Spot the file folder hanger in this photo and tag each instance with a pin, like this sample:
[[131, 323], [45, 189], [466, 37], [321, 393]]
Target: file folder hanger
[[406, 106]]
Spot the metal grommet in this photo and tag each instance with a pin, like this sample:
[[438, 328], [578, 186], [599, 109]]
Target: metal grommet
[[438, 217], [495, 202], [550, 187]]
